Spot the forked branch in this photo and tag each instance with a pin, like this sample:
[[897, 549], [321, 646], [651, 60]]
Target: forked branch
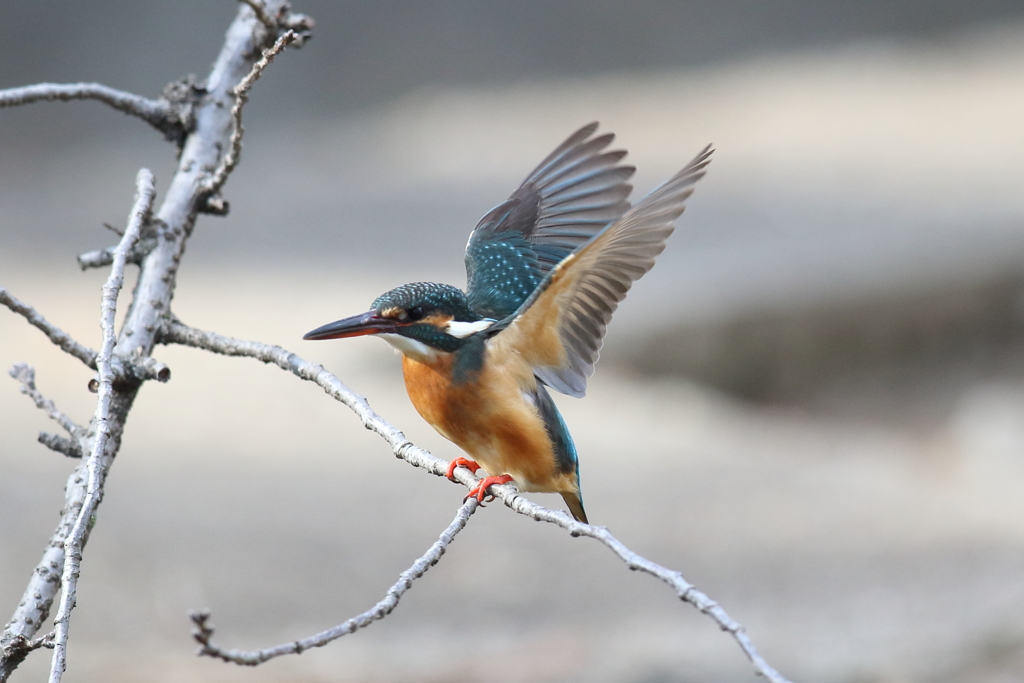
[[203, 632], [123, 369], [177, 333]]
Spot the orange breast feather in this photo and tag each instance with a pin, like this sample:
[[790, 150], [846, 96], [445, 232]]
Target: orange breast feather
[[489, 419]]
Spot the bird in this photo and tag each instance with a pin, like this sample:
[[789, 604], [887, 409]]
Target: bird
[[545, 271]]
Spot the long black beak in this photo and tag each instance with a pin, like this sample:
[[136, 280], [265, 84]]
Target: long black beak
[[356, 326]]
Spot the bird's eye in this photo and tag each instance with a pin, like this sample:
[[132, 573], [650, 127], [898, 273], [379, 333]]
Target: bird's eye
[[415, 313]]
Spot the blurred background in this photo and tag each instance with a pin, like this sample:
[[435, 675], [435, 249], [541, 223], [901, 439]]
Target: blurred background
[[813, 407]]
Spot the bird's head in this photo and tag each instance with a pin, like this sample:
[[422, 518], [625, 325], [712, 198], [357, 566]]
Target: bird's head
[[418, 319]]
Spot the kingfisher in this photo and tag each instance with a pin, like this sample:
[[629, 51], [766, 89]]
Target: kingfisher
[[545, 271]]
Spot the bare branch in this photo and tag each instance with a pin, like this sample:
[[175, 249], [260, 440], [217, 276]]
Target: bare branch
[[151, 111], [99, 460], [57, 443], [54, 333], [175, 332], [173, 225], [204, 631], [211, 186], [27, 376], [160, 114], [686, 591]]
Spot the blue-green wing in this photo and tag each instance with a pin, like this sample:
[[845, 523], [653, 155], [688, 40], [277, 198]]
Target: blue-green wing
[[574, 193], [559, 329]]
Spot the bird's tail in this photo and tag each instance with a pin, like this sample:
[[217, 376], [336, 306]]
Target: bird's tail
[[575, 503]]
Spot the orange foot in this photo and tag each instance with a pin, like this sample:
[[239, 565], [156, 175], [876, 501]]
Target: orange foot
[[461, 462], [480, 490]]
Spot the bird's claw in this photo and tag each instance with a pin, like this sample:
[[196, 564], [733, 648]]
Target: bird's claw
[[480, 490], [460, 462]]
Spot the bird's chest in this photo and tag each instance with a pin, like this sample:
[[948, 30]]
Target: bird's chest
[[455, 409], [487, 415]]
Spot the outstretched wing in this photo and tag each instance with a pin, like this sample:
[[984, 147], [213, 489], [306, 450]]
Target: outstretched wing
[[560, 328], [574, 193]]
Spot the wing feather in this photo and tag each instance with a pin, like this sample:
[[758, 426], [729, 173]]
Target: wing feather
[[560, 328], [571, 196]]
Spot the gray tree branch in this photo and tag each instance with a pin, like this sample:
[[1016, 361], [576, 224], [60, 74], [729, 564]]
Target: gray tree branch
[[177, 333], [174, 221], [203, 632], [171, 120]]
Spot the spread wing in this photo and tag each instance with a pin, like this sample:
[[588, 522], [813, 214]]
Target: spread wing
[[560, 328], [571, 196]]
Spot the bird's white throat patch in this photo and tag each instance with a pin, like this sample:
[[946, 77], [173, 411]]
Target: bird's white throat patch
[[416, 350], [464, 329], [419, 351]]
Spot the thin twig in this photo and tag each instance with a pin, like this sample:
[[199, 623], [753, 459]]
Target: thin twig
[[216, 180], [204, 630], [99, 460], [158, 113], [686, 591], [54, 333], [176, 332], [26, 375]]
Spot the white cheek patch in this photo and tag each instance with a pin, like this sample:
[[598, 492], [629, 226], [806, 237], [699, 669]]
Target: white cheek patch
[[464, 329], [410, 347]]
